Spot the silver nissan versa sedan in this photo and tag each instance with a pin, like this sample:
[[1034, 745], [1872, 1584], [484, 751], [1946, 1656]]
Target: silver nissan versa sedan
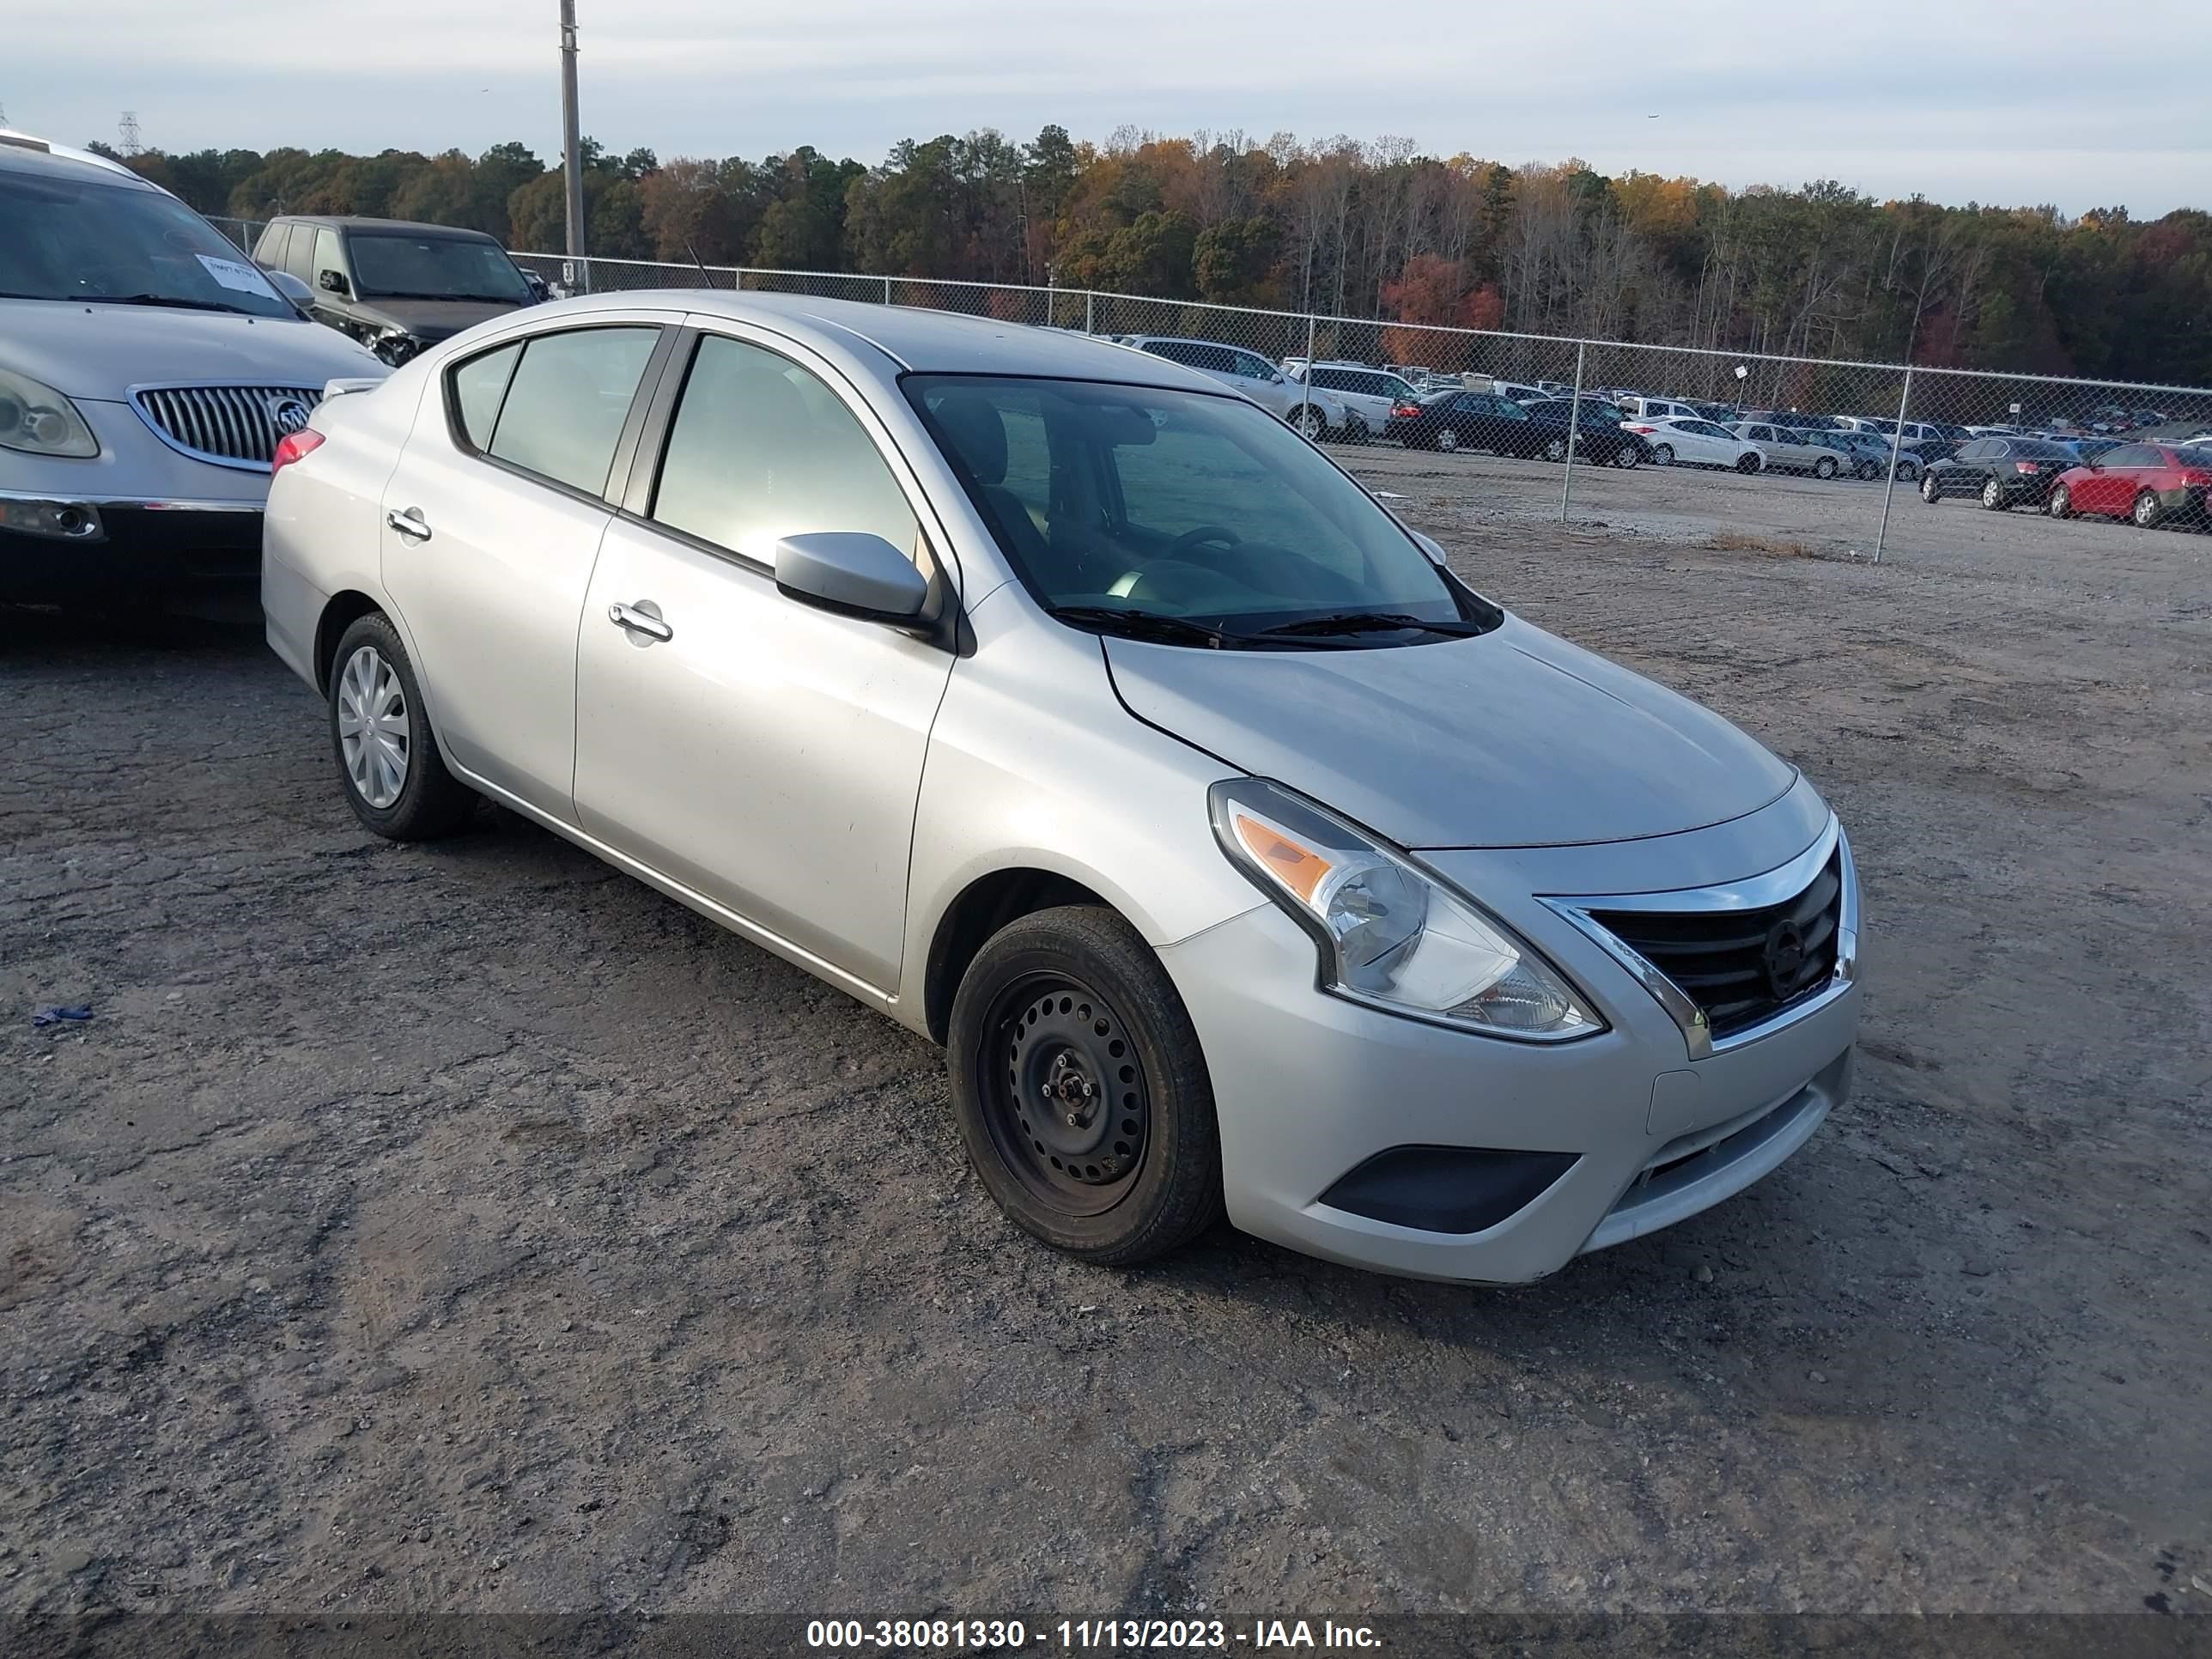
[[1071, 710]]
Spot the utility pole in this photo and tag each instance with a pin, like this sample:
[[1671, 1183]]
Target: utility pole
[[572, 173]]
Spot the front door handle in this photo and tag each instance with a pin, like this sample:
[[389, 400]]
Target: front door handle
[[639, 620], [409, 524]]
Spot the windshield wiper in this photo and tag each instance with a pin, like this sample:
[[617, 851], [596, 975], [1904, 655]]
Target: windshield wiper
[[1372, 621], [170, 300], [1147, 624]]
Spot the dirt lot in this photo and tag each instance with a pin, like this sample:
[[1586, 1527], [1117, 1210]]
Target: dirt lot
[[467, 1227]]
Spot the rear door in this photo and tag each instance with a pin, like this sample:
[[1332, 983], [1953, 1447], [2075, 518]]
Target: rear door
[[2125, 472], [493, 519], [762, 753]]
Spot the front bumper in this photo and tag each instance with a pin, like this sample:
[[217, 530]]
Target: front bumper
[[137, 524], [128, 551], [1309, 1088]]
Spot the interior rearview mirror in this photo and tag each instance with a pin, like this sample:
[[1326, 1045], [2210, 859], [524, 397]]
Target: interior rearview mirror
[[852, 573], [330, 282]]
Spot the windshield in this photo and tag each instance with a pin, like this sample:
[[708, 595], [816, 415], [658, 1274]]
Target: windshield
[[392, 266], [80, 240], [1139, 503]]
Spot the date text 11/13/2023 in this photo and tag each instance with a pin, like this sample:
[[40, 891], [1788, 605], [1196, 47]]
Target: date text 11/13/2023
[[1087, 1635]]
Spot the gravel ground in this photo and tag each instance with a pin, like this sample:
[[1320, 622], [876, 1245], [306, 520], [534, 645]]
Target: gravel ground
[[467, 1227]]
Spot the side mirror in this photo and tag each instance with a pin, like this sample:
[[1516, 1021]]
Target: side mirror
[[538, 288], [291, 286], [854, 574], [332, 282]]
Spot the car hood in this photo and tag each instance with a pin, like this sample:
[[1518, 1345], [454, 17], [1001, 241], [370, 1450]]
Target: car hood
[[96, 352], [431, 320], [1512, 738]]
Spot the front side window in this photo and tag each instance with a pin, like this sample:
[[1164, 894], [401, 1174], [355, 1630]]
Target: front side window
[[761, 448], [390, 265], [562, 412], [86, 241], [327, 256], [1165, 504]]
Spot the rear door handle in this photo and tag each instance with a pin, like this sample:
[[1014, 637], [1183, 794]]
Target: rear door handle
[[637, 619], [409, 524]]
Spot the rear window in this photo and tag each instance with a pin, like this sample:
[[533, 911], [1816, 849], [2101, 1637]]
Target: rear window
[[566, 401]]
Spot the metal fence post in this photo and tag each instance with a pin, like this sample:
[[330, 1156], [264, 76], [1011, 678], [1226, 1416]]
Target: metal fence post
[[1574, 431], [887, 290], [1305, 381], [1896, 441], [1089, 299]]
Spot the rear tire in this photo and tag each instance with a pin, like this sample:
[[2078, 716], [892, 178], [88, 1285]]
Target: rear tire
[[388, 762], [1993, 496], [1447, 441], [1080, 1089], [2146, 511], [2061, 505], [1824, 468], [1662, 454]]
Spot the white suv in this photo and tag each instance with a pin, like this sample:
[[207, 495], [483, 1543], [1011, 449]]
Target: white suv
[[1368, 394], [1314, 413], [147, 372]]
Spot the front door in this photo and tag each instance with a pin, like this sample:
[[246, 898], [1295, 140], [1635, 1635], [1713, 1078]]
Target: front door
[[760, 752], [492, 520]]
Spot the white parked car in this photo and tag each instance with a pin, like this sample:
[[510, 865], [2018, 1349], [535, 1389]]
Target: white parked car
[[1368, 394], [1787, 450], [1316, 414], [1660, 409], [1696, 442]]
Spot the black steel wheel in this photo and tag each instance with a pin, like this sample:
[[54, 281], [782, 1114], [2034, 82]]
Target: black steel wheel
[[1081, 1091]]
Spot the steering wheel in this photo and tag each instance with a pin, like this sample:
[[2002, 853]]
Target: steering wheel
[[1192, 539]]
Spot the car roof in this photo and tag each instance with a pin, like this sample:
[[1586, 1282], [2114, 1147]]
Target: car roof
[[358, 221], [892, 338], [20, 152]]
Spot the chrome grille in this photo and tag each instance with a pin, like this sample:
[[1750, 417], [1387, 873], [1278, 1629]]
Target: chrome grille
[[234, 426], [1742, 966]]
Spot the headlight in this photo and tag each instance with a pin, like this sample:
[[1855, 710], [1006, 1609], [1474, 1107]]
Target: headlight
[[34, 417], [1391, 935]]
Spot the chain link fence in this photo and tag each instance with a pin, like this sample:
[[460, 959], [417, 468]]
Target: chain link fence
[[1776, 453], [1780, 453]]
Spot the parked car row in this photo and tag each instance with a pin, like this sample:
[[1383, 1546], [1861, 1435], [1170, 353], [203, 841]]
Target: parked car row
[[2146, 484]]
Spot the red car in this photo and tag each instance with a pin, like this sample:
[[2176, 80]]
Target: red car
[[2147, 484]]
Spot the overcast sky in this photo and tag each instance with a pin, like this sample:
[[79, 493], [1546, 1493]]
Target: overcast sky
[[2021, 103]]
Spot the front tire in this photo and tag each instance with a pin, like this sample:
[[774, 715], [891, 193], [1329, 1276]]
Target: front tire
[[1555, 450], [387, 756], [2146, 511], [1080, 1089], [1931, 490], [1624, 458], [1747, 464]]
